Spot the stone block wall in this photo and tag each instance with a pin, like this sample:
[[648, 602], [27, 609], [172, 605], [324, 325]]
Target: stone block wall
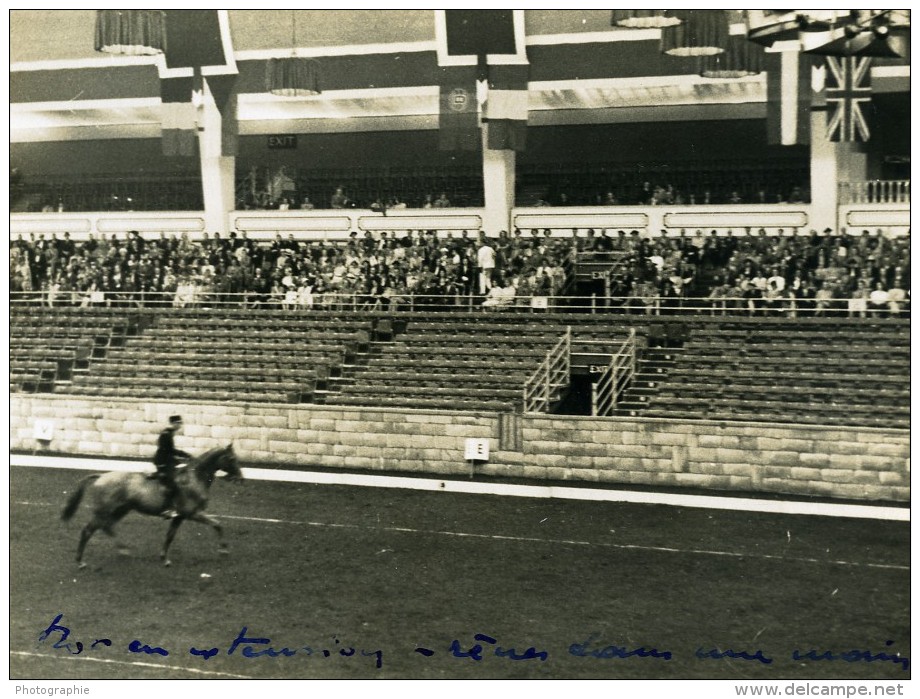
[[839, 462], [852, 463]]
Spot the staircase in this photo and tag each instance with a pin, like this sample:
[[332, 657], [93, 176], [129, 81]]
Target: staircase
[[652, 367], [348, 373]]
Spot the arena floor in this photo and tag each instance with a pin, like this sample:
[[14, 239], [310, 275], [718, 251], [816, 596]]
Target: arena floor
[[343, 581]]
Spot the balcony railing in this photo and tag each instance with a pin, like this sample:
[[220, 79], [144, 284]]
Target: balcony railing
[[874, 192], [192, 296]]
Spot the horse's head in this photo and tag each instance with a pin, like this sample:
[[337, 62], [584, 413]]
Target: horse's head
[[227, 463]]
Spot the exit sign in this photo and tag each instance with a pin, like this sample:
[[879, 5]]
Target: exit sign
[[282, 142]]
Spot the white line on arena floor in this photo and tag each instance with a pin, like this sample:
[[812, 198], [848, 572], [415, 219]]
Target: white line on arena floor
[[537, 540], [575, 542], [134, 663], [899, 514]]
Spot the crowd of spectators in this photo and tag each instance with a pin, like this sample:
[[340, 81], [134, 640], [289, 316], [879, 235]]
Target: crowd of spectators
[[280, 190], [785, 272], [374, 270]]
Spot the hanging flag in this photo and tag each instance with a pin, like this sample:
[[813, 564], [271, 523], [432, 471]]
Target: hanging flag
[[180, 134], [475, 47], [506, 107], [847, 92], [459, 112], [479, 32], [789, 97]]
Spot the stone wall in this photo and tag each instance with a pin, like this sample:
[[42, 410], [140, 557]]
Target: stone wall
[[841, 462], [852, 463]]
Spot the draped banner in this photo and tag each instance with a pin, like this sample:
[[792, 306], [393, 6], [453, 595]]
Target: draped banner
[[506, 107], [180, 134], [789, 97], [459, 113], [482, 59]]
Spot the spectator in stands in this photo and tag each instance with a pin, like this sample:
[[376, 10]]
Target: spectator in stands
[[824, 299], [501, 294], [338, 200], [857, 304], [879, 300], [774, 293], [485, 262], [718, 298], [442, 202]]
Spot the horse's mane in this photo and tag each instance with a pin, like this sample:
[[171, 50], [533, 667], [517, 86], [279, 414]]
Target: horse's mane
[[206, 457], [210, 453]]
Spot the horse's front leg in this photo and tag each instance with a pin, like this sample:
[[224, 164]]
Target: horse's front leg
[[174, 525], [215, 525]]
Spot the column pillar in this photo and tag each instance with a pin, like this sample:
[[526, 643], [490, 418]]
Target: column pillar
[[833, 165], [218, 172], [498, 178]]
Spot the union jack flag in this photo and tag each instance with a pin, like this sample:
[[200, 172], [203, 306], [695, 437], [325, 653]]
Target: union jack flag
[[848, 88]]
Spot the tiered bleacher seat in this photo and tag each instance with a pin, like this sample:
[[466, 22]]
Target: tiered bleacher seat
[[456, 361], [229, 355], [48, 344], [799, 371]]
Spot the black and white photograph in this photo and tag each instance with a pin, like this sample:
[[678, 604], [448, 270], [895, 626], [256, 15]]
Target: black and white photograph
[[460, 345]]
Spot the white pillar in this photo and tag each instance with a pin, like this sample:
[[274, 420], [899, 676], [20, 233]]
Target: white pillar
[[498, 185], [218, 172]]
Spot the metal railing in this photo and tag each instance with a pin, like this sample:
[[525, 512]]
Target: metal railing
[[191, 296], [874, 192], [543, 386], [608, 389]]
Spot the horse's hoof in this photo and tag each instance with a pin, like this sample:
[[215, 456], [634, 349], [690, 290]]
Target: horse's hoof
[[167, 563], [81, 565], [225, 551]]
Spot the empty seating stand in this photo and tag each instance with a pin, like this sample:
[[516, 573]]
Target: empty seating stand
[[452, 361], [819, 371], [805, 371], [228, 355], [48, 345]]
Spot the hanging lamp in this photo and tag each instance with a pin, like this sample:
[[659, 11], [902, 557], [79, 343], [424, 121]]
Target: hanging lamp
[[293, 76], [131, 32]]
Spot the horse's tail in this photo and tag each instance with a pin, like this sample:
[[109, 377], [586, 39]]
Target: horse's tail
[[74, 501]]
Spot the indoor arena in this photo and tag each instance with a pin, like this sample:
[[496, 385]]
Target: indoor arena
[[460, 345]]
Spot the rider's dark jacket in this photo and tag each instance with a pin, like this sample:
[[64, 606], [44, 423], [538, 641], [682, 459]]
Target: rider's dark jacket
[[167, 456]]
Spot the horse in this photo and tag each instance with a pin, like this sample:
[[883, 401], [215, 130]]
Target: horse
[[114, 494]]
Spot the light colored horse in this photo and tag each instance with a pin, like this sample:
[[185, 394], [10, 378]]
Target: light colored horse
[[114, 494]]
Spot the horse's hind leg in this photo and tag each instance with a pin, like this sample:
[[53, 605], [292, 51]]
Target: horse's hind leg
[[85, 536], [114, 519], [215, 525], [174, 525]]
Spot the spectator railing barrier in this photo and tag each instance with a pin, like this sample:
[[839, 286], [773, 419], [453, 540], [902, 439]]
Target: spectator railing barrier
[[606, 391], [543, 387], [193, 296], [874, 192]]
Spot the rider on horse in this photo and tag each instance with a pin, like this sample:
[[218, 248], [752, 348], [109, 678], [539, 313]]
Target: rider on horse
[[165, 460]]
